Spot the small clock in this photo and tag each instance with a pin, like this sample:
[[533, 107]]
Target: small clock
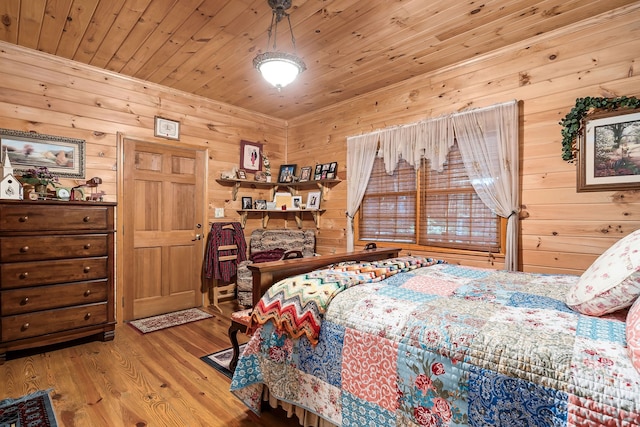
[[63, 193]]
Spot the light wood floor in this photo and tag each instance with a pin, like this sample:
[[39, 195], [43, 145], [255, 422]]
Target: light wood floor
[[155, 379]]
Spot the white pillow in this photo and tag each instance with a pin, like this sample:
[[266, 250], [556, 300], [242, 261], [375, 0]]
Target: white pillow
[[632, 330], [612, 282]]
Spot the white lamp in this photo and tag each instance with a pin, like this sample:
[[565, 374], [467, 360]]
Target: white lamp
[[279, 68]]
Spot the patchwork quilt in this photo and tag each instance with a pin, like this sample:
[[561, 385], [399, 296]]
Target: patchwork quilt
[[446, 345], [298, 303]]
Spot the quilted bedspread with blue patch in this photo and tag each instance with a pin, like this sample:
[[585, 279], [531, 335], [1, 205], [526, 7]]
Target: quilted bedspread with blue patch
[[447, 345]]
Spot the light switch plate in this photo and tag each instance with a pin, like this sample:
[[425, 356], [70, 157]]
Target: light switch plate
[[219, 212]]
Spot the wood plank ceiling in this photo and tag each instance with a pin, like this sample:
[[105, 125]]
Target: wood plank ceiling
[[351, 47]]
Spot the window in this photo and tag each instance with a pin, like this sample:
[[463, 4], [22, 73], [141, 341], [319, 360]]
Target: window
[[388, 209], [427, 208]]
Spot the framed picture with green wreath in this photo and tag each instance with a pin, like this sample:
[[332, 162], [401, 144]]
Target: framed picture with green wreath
[[609, 152]]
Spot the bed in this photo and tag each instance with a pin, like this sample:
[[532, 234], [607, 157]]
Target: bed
[[418, 342]]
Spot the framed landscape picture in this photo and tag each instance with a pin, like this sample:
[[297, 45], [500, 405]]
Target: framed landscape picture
[[609, 152], [64, 157]]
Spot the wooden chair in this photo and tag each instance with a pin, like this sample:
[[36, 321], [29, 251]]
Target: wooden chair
[[240, 320], [223, 292]]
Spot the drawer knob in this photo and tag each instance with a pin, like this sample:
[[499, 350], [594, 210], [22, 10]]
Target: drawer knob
[[24, 249], [87, 316], [24, 301], [87, 269], [25, 327], [24, 275], [86, 218], [87, 246], [87, 292], [24, 218]]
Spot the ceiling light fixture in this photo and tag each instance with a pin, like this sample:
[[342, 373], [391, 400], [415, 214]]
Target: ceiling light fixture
[[279, 68]]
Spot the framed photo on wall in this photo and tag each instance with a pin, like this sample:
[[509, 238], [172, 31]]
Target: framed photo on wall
[[250, 156], [609, 152], [166, 128]]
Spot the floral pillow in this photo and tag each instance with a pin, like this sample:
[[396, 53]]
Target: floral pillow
[[612, 282], [633, 334]]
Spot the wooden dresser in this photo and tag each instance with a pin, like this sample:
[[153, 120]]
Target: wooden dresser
[[56, 272]]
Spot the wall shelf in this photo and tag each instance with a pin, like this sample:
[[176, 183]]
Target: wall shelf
[[293, 187], [298, 214]]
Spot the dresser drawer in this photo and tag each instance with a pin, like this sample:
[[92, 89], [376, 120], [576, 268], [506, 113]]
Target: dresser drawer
[[31, 248], [22, 274], [26, 217], [25, 300], [49, 321]]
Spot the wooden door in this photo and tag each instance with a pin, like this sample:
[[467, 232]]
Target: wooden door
[[163, 228]]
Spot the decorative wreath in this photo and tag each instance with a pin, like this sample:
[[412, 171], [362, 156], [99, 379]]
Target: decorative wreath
[[572, 122]]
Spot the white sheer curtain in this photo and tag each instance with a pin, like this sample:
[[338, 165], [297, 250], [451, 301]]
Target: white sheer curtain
[[429, 139], [488, 142], [435, 138], [361, 153]]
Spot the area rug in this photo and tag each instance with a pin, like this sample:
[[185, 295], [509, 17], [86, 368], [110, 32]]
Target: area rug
[[164, 321], [33, 410], [220, 360]]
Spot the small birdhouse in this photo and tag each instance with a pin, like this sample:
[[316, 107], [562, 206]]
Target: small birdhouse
[[10, 187]]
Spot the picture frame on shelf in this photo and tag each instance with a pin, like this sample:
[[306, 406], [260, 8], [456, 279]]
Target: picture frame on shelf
[[287, 174], [260, 204], [250, 156], [63, 157], [318, 172], [313, 200], [247, 203], [305, 174], [241, 174], [606, 150], [296, 202], [166, 128], [333, 170]]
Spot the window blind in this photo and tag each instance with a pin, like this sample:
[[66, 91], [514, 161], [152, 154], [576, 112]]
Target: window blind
[[453, 216], [428, 208], [388, 209]]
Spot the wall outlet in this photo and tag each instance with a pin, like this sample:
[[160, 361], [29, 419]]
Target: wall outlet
[[219, 212]]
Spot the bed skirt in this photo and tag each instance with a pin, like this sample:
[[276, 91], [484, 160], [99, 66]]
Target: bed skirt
[[305, 418]]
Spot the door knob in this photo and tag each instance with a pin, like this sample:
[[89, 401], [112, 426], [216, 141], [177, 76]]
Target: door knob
[[198, 237]]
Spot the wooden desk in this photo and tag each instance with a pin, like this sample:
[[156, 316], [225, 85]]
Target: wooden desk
[[266, 274]]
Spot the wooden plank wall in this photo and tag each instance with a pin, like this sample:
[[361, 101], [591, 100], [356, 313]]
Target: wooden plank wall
[[51, 95], [564, 231]]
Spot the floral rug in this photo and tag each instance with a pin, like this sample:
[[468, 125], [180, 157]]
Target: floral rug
[[168, 320], [220, 360], [33, 410]]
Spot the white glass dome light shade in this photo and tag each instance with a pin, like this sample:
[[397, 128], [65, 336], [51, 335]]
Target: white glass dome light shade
[[279, 68]]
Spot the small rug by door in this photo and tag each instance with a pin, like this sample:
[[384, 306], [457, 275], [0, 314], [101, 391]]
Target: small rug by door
[[34, 409], [220, 360], [163, 321]]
